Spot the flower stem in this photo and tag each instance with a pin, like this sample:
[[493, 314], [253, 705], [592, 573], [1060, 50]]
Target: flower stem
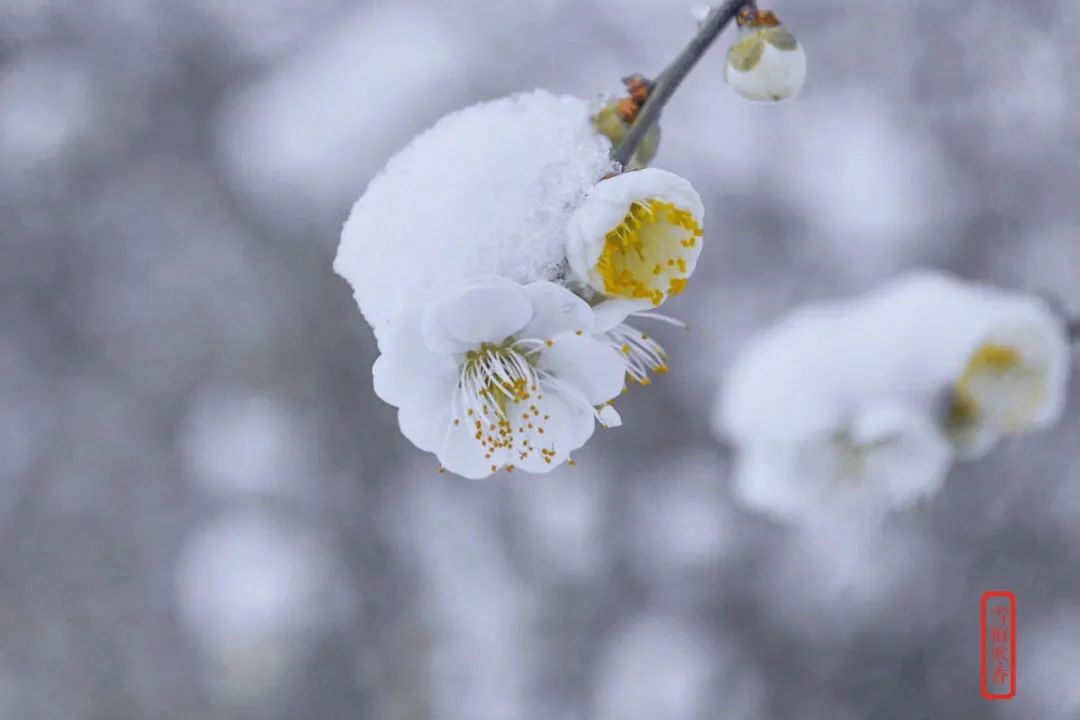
[[673, 75]]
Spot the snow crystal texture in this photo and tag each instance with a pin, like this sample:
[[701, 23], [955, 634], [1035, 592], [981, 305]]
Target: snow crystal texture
[[486, 190]]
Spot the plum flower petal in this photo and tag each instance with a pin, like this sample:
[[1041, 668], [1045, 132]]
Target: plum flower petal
[[584, 364], [408, 371], [636, 239], [500, 375], [475, 311], [556, 311]]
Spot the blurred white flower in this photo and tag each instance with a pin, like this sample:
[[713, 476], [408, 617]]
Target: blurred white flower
[[877, 387], [500, 374], [636, 239], [487, 190], [875, 460], [767, 63]]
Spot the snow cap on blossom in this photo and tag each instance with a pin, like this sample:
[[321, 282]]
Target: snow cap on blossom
[[879, 457], [819, 430], [500, 375], [486, 190], [635, 240], [767, 63]]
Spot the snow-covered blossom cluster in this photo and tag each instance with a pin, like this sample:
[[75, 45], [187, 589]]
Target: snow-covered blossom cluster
[[863, 405], [497, 258]]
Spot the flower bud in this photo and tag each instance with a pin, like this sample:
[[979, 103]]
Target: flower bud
[[615, 116], [767, 63]]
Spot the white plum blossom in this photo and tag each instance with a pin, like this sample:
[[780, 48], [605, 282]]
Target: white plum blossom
[[880, 392], [486, 190], [819, 432], [500, 375], [635, 240], [766, 65]]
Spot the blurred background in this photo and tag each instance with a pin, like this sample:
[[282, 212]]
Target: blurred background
[[205, 513]]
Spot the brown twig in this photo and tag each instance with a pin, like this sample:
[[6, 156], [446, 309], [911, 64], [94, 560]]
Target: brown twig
[[673, 75]]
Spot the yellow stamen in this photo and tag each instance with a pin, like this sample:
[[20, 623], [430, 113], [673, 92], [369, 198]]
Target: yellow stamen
[[647, 252]]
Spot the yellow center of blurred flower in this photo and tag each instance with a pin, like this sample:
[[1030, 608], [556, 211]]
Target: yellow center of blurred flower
[[646, 255], [995, 382], [853, 456]]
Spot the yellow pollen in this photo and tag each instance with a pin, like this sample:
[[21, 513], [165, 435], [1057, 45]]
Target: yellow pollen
[[644, 253]]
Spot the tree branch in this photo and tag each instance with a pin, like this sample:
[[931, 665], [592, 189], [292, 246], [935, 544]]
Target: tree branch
[[1073, 329], [672, 76]]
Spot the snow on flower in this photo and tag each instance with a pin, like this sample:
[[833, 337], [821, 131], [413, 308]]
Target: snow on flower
[[864, 462], [767, 63], [486, 190], [885, 388], [498, 374]]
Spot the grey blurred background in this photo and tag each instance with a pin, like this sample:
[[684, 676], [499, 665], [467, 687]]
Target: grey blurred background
[[206, 514]]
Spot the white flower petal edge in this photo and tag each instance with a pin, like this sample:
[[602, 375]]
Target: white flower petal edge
[[883, 458], [500, 375], [636, 238], [473, 312]]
